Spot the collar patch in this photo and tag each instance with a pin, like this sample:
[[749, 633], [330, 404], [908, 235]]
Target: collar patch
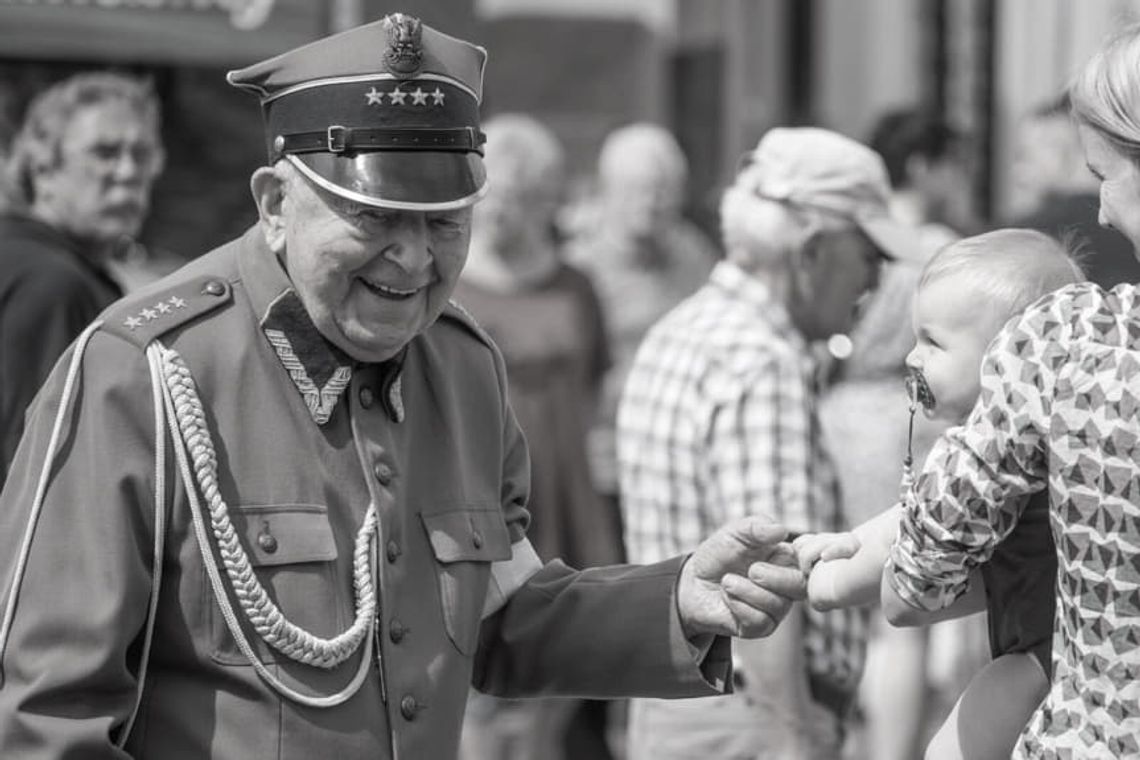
[[318, 370]]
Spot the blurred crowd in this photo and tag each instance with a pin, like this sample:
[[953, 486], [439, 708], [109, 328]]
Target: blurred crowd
[[569, 287]]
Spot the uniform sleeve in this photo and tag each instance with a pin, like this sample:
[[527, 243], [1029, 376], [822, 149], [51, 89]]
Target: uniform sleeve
[[68, 666], [603, 632], [600, 633], [44, 313], [967, 498]]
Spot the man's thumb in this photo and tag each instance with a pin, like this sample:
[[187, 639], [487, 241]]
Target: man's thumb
[[758, 532]]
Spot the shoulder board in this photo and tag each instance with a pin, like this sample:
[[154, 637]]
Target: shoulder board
[[139, 319], [457, 313]]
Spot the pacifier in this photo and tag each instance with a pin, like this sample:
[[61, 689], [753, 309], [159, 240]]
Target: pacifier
[[917, 391], [918, 394]]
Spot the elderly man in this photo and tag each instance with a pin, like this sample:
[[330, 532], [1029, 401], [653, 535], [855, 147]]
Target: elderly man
[[717, 421], [275, 506], [81, 167]]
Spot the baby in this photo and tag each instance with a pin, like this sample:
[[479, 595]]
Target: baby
[[967, 292]]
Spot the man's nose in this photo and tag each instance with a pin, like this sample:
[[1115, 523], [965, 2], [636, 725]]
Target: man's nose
[[408, 245], [129, 166]]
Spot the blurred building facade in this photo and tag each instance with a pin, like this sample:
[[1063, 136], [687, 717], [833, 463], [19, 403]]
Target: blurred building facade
[[716, 72]]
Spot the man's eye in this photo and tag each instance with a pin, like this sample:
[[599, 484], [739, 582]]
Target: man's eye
[[105, 152], [446, 224]]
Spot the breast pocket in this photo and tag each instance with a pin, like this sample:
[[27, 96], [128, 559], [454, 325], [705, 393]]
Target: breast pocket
[[293, 554], [465, 542]]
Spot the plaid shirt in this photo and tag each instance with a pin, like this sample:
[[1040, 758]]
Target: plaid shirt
[[717, 421], [1059, 409]]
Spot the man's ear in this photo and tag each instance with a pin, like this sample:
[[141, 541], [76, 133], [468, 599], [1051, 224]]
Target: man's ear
[[805, 258], [268, 188]]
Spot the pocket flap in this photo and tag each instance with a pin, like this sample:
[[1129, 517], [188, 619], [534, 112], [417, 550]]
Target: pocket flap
[[471, 535], [284, 534]]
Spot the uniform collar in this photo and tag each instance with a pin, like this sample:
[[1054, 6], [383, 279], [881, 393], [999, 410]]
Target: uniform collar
[[319, 370]]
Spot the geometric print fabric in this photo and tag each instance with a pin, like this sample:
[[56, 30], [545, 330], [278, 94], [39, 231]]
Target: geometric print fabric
[[1059, 409]]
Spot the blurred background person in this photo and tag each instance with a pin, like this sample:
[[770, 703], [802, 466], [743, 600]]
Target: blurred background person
[[1059, 193], [643, 257], [929, 166], [80, 170], [545, 317], [719, 418]]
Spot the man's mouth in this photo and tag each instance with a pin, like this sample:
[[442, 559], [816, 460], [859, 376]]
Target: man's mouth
[[389, 291]]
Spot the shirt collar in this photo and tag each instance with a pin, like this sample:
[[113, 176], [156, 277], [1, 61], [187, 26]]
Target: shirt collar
[[319, 370], [743, 287]]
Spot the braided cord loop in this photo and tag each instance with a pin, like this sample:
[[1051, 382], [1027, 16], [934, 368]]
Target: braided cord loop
[[263, 614]]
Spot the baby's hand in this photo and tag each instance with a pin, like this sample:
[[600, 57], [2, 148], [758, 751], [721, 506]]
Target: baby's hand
[[814, 547]]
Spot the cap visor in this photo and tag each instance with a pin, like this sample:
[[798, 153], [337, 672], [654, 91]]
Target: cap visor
[[896, 241], [412, 180]]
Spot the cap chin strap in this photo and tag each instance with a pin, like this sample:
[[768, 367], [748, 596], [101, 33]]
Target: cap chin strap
[[338, 139], [369, 200]]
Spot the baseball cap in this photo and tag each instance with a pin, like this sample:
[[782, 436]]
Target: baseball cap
[[814, 168], [385, 114]]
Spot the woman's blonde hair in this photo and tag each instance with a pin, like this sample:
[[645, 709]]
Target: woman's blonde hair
[[1105, 94]]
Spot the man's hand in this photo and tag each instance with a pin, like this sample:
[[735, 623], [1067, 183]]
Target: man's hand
[[740, 581]]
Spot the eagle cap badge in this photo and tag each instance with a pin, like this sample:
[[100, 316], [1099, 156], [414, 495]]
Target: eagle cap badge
[[405, 53]]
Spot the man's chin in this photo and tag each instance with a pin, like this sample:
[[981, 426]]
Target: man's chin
[[368, 346]]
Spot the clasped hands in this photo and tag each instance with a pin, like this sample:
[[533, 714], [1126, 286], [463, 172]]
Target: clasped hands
[[743, 579]]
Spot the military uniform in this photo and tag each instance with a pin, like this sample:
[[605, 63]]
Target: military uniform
[[379, 509], [427, 438]]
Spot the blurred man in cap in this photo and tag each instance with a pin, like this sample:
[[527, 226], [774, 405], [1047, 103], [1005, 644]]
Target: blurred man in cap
[[717, 422], [275, 506]]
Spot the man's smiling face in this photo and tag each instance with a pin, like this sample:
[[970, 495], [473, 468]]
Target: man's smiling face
[[370, 278]]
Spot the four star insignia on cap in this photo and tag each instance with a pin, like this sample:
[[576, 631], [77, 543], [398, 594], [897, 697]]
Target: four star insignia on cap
[[397, 96], [151, 313]]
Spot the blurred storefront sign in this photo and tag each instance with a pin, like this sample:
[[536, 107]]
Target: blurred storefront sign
[[209, 32]]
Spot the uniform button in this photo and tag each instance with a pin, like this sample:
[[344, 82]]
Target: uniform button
[[408, 707], [366, 397], [396, 631], [383, 473], [477, 540], [267, 542], [393, 551], [214, 288]]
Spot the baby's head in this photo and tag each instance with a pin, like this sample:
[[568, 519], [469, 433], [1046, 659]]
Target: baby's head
[[967, 292]]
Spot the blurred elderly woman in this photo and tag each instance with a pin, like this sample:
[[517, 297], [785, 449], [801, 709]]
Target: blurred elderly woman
[[643, 256], [544, 316]]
